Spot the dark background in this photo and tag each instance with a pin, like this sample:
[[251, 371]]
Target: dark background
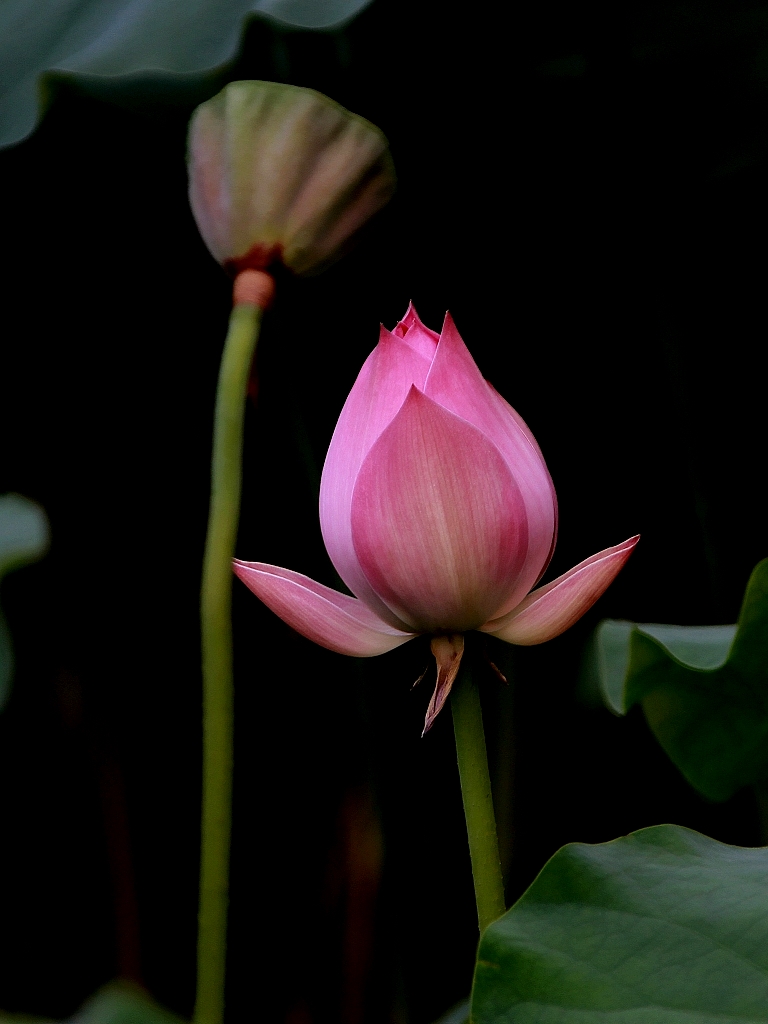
[[585, 188]]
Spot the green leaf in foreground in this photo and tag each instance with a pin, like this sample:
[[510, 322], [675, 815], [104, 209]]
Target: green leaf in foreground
[[23, 539], [704, 690], [663, 926]]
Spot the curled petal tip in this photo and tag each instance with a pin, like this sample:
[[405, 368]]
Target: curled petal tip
[[416, 333], [407, 320], [410, 317], [447, 651]]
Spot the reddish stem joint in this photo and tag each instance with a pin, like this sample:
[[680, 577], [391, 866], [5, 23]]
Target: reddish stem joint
[[253, 288]]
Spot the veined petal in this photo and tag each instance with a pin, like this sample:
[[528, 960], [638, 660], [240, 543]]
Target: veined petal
[[508, 410], [455, 382], [328, 618], [349, 178], [416, 334], [550, 610], [378, 393], [438, 521]]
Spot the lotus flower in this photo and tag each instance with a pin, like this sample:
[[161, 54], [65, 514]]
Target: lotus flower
[[438, 513], [278, 173]]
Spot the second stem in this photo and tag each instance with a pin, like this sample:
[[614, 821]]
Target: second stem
[[216, 621]]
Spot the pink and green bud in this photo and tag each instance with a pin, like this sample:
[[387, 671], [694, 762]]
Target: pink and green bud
[[283, 174], [438, 513]]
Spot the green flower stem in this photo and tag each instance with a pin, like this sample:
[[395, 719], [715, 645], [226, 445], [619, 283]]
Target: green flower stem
[[476, 794], [216, 616]]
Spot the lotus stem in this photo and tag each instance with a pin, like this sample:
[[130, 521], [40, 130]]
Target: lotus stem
[[476, 796], [216, 621]]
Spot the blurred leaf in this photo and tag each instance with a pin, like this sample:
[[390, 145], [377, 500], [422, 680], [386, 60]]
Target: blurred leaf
[[121, 1003], [704, 690], [458, 1015], [116, 1003], [124, 37], [23, 538], [663, 926], [23, 532]]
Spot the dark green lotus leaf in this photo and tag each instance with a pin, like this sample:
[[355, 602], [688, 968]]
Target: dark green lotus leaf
[[23, 539], [704, 690], [663, 926], [172, 41]]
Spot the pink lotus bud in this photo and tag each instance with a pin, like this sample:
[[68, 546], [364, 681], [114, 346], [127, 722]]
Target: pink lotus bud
[[279, 173], [438, 512]]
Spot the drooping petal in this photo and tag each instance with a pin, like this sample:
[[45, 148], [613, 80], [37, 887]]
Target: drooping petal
[[455, 382], [377, 395], [550, 610], [416, 334], [447, 651], [438, 521], [333, 620]]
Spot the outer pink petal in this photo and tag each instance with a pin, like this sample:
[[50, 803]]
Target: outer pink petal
[[550, 610], [438, 520], [455, 382], [415, 334], [506, 409], [323, 615], [378, 393]]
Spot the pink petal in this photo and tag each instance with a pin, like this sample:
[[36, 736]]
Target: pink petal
[[455, 382], [550, 610], [447, 651], [419, 337], [324, 616], [507, 411], [438, 521], [377, 395]]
